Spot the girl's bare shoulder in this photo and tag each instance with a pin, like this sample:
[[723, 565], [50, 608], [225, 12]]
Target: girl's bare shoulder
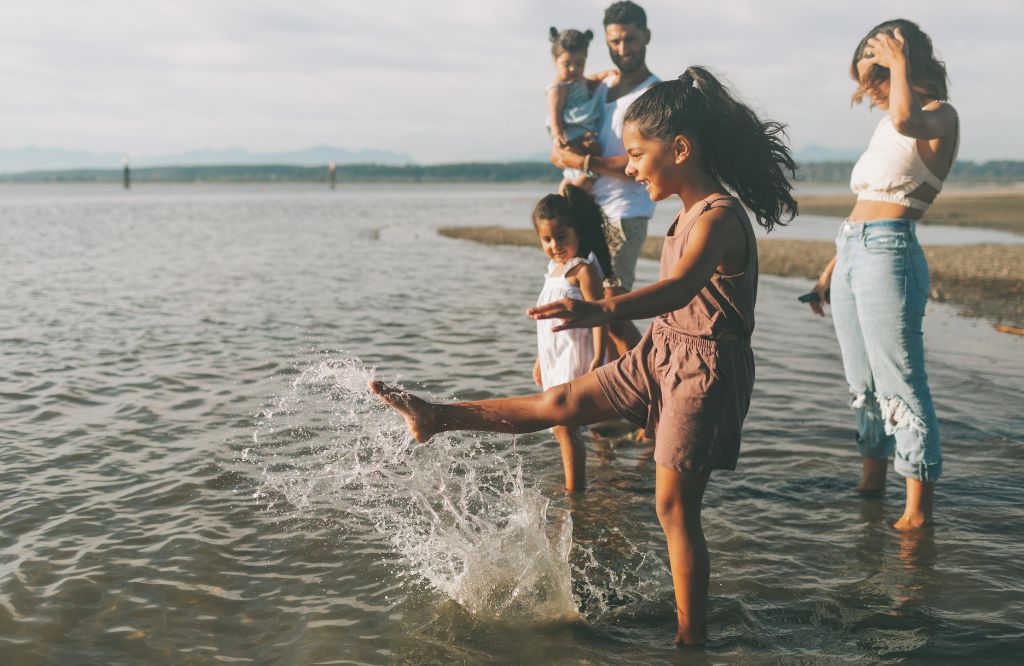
[[582, 271]]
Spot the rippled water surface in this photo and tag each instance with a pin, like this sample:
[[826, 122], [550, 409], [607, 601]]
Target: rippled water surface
[[194, 473]]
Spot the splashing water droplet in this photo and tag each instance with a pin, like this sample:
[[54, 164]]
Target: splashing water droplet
[[456, 508]]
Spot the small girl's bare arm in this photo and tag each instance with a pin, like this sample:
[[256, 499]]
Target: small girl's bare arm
[[591, 284], [557, 94]]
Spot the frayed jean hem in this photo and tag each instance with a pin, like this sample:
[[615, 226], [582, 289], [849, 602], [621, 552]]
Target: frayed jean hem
[[887, 427]]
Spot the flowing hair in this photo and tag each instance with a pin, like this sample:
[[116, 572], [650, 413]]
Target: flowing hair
[[736, 147], [927, 72], [576, 208]]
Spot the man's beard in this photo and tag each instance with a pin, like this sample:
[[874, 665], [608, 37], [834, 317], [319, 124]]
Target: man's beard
[[633, 65]]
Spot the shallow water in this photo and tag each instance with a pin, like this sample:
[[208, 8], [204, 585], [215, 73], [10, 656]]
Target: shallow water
[[193, 473]]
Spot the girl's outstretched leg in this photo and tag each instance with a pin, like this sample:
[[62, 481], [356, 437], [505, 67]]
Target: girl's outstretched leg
[[678, 499], [574, 457], [577, 403]]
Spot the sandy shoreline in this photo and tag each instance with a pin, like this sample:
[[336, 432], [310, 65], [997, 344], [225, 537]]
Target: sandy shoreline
[[982, 280], [990, 208]]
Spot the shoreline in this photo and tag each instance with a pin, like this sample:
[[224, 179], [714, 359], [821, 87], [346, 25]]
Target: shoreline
[[981, 280], [993, 208]]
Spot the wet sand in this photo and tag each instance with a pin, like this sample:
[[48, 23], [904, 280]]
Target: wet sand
[[982, 280]]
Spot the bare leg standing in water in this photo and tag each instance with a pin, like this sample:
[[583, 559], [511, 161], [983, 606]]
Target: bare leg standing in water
[[678, 499]]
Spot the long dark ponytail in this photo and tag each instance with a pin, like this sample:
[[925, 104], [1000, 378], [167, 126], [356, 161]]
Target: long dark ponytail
[[736, 147], [576, 208]]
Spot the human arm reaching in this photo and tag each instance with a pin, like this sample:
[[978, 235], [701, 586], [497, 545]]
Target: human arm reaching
[[715, 236]]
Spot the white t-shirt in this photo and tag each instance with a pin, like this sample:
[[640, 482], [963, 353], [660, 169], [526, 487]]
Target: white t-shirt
[[619, 197]]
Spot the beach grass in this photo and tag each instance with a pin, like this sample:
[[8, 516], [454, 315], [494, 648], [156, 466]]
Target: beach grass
[[981, 280]]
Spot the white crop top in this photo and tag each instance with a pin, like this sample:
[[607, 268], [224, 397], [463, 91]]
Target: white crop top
[[891, 169]]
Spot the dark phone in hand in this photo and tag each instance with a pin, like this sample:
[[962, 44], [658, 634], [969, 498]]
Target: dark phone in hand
[[812, 297]]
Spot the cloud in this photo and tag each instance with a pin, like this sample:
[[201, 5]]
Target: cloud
[[457, 80]]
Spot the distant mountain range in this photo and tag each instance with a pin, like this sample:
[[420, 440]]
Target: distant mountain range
[[16, 160], [480, 172]]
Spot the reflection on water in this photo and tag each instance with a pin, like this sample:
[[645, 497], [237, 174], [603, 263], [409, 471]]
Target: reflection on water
[[193, 471]]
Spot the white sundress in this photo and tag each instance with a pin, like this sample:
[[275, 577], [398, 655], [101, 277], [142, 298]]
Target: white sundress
[[564, 355]]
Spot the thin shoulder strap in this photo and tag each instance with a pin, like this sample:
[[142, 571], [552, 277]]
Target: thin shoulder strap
[[685, 232], [748, 230], [573, 263]]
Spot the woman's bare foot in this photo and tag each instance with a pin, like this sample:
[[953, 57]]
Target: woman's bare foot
[[418, 414], [909, 522], [918, 511], [872, 483]]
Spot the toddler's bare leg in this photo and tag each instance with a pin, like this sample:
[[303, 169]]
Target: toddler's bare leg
[[574, 457], [579, 402], [678, 499]]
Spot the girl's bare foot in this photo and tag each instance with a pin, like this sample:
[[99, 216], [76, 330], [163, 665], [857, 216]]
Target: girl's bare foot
[[418, 413], [685, 639], [872, 483]]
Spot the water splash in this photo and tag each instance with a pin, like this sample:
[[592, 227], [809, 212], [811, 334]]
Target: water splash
[[456, 509]]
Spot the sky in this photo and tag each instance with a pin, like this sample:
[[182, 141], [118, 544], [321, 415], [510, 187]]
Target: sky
[[452, 80]]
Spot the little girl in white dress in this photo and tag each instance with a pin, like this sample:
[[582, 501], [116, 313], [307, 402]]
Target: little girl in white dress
[[570, 227]]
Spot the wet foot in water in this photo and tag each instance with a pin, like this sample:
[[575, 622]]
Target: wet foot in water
[[418, 414], [909, 522], [686, 640]]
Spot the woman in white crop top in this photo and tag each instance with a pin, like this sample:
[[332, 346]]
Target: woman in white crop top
[[878, 280]]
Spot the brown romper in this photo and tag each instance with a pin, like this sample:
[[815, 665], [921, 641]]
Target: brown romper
[[688, 382]]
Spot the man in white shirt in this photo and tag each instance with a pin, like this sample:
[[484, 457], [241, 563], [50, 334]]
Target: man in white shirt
[[625, 202]]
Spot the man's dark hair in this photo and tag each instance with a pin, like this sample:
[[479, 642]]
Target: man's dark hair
[[621, 13]]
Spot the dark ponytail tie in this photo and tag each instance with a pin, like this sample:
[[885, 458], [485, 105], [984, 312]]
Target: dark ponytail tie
[[553, 34]]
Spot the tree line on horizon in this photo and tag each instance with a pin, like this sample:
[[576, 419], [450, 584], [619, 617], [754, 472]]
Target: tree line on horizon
[[1001, 171]]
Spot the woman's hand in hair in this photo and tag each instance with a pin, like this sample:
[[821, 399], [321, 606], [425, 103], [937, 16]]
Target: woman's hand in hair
[[886, 50], [573, 313]]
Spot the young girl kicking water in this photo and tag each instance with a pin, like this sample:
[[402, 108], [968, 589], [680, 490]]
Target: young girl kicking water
[[570, 226], [689, 380]]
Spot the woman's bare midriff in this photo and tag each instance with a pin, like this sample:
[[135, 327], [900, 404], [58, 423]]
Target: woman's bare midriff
[[867, 211]]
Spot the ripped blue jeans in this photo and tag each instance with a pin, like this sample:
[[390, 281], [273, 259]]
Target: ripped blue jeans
[[880, 287]]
